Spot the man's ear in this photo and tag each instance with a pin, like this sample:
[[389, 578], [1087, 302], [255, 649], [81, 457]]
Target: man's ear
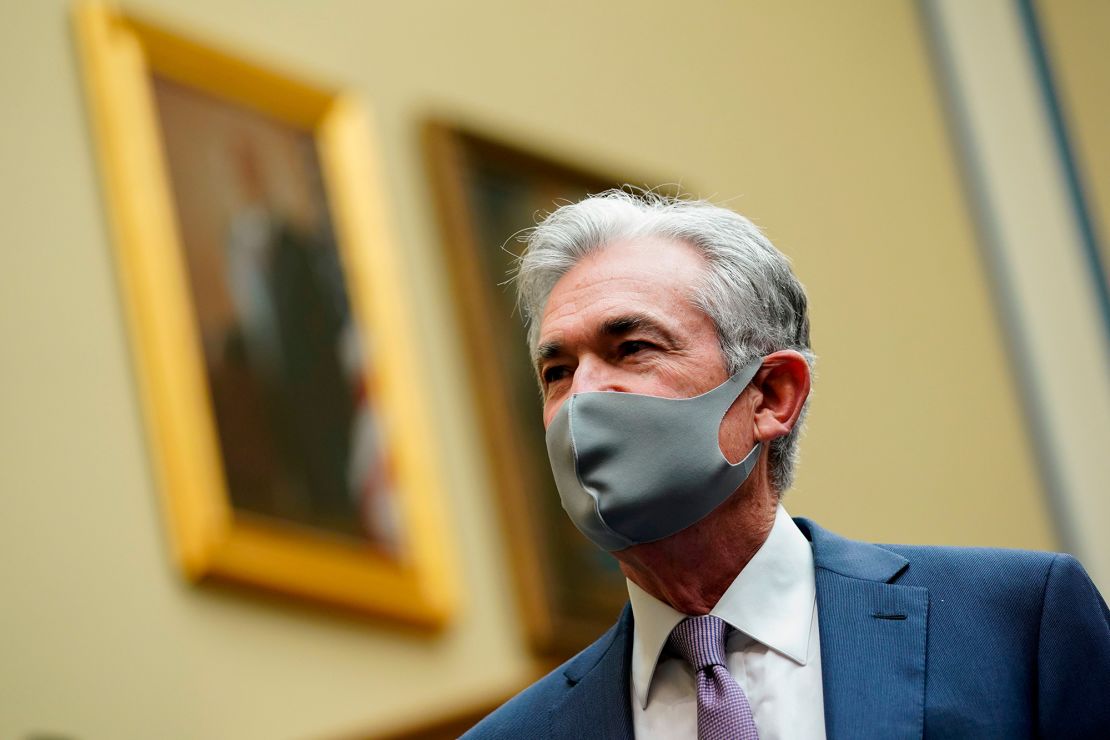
[[783, 382]]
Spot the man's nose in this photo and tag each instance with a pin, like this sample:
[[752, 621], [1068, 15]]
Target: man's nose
[[594, 374]]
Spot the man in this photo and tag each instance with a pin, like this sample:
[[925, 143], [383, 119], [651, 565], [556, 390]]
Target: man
[[667, 333]]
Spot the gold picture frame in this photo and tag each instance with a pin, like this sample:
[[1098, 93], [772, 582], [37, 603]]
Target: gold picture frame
[[487, 190], [395, 563]]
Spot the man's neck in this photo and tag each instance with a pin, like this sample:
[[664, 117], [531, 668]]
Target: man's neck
[[691, 569]]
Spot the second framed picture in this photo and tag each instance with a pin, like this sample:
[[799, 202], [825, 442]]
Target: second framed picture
[[488, 192]]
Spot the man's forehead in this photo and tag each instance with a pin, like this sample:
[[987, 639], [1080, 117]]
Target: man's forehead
[[617, 286], [622, 287]]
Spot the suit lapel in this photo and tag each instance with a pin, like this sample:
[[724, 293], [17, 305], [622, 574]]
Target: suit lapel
[[873, 637], [597, 701]]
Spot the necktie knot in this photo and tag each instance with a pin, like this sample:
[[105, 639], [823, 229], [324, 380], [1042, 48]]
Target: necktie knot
[[723, 709], [700, 641]]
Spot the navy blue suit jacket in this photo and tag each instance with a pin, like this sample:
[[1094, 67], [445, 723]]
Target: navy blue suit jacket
[[935, 642]]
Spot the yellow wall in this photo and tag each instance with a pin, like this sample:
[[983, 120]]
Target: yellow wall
[[1075, 33], [821, 121]]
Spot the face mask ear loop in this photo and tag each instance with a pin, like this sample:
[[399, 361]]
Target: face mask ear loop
[[747, 460], [745, 376]]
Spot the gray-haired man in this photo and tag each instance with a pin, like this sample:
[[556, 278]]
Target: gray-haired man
[[671, 340]]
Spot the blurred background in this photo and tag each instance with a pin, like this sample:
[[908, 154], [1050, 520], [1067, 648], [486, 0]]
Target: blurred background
[[939, 173]]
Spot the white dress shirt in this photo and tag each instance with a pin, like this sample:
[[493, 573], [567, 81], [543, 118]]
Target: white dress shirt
[[774, 652]]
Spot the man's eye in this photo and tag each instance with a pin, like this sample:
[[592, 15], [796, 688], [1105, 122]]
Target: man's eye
[[554, 374], [633, 346]]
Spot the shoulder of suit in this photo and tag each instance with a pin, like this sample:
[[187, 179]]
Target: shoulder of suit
[[983, 570], [526, 714], [989, 558]]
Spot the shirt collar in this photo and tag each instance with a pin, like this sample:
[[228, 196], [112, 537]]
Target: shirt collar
[[770, 600]]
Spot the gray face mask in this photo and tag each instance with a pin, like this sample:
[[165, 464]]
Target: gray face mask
[[633, 469]]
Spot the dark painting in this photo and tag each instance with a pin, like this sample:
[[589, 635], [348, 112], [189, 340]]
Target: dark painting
[[489, 192]]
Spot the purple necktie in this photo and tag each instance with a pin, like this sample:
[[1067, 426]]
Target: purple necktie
[[723, 709]]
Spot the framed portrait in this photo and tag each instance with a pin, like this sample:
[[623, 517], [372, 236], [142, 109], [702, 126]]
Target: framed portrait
[[279, 372], [488, 192]]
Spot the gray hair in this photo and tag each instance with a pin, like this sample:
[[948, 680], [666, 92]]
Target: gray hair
[[748, 290]]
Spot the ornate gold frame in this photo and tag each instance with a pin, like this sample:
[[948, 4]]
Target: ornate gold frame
[[119, 53]]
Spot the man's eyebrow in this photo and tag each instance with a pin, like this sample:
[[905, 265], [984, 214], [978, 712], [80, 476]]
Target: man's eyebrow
[[615, 327], [621, 325], [547, 350]]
